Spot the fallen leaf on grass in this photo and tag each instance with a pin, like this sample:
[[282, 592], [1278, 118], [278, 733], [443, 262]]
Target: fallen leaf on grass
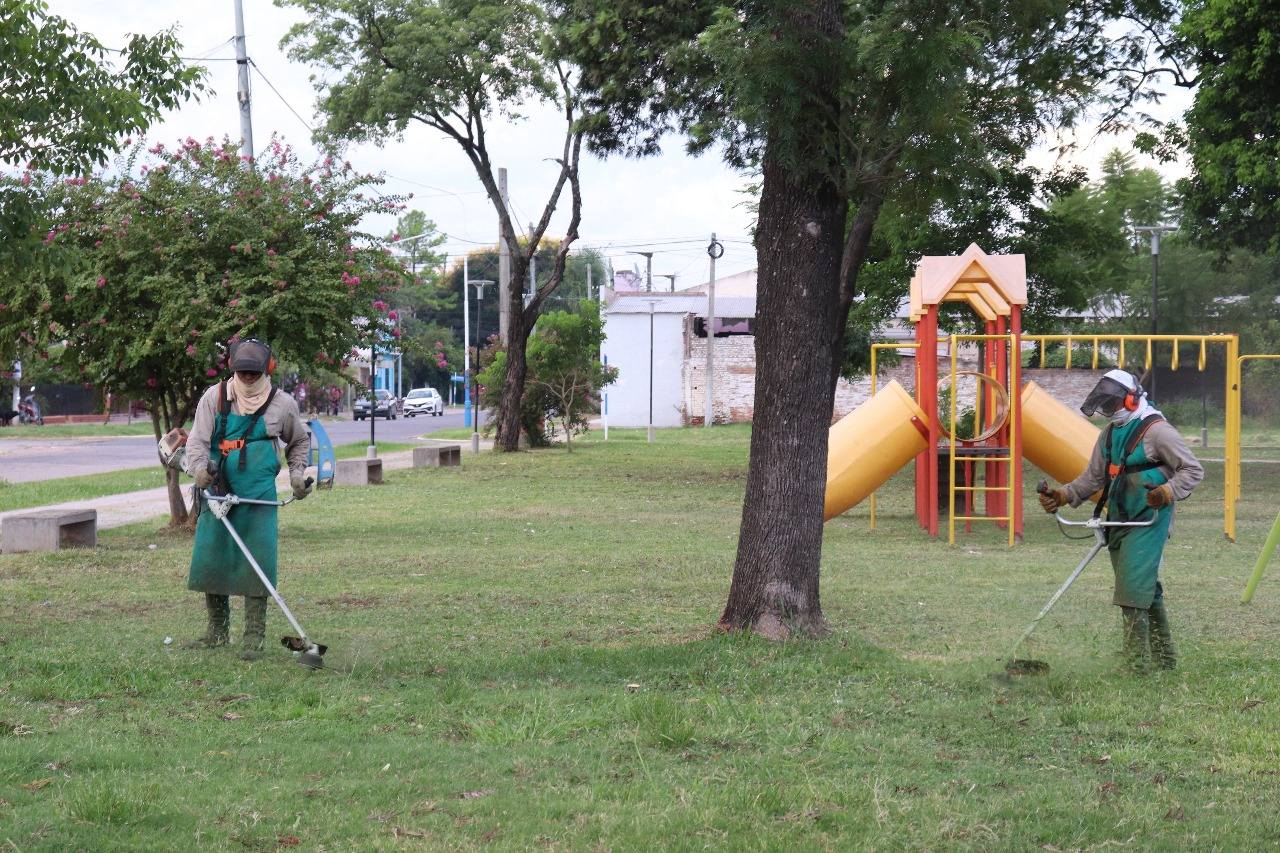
[[3, 802], [234, 697], [490, 835], [1252, 703], [1158, 779], [217, 752], [401, 832], [1175, 813], [15, 729], [1049, 847], [55, 765], [230, 716], [365, 698], [37, 784], [475, 795], [288, 841], [382, 817], [1106, 788], [425, 807]]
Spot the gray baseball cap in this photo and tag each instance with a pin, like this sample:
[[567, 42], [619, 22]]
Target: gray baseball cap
[[250, 356]]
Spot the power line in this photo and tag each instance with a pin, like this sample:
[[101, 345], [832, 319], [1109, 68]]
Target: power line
[[288, 105]]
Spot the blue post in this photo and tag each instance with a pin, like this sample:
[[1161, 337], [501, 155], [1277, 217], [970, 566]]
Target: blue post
[[466, 404]]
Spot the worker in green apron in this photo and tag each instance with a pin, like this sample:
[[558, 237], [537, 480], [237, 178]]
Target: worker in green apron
[[232, 450], [1141, 466]]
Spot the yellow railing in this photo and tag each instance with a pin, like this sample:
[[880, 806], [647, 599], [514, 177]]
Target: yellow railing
[[1231, 473]]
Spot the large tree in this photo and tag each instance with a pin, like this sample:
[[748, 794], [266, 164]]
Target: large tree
[[156, 266], [452, 66], [64, 106], [842, 106], [1232, 130]]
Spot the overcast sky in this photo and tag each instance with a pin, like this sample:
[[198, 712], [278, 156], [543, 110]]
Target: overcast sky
[[672, 197]]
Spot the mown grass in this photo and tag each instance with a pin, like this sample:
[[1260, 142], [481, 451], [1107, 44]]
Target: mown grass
[[523, 656], [16, 430], [89, 486]]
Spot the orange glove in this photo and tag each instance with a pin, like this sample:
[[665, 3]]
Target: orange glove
[[1054, 500], [1159, 496]]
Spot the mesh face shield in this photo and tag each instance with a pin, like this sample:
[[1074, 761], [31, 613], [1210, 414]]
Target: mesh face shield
[[1105, 398]]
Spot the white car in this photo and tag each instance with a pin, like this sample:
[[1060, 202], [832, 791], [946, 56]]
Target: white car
[[423, 401]]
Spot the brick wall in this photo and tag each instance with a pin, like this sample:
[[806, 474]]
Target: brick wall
[[734, 385]]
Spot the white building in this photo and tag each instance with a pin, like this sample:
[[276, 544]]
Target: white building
[[680, 347]]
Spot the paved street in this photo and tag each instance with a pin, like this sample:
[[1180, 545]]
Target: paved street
[[25, 459]]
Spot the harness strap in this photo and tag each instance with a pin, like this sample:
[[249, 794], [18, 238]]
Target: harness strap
[[1117, 470], [253, 421]]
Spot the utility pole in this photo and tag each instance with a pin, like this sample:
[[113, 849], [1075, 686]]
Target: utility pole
[[242, 89], [672, 277], [504, 263], [714, 251], [648, 266], [1155, 231]]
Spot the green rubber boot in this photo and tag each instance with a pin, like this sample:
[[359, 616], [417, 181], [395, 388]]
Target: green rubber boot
[[1162, 651], [218, 608], [255, 626], [1137, 643]]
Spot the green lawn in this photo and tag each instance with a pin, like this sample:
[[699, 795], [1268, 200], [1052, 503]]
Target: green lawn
[[523, 657], [45, 492], [138, 427]]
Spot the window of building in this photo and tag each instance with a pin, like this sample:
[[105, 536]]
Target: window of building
[[725, 326]]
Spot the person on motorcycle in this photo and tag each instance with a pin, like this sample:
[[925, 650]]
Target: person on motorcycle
[[1141, 466], [232, 450]]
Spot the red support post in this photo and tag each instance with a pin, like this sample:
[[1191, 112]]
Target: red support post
[[1015, 383]]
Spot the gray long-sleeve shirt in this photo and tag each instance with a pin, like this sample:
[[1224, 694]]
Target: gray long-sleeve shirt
[[1162, 443], [283, 423]]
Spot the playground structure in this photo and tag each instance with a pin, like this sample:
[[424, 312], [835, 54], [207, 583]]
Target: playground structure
[[1012, 420]]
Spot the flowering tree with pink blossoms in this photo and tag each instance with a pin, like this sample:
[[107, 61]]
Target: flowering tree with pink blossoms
[[150, 272]]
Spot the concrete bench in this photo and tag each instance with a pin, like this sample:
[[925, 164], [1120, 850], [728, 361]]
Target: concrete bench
[[437, 457], [358, 472], [49, 530]]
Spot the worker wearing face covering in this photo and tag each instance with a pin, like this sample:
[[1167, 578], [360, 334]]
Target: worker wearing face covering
[[237, 425], [1142, 467]]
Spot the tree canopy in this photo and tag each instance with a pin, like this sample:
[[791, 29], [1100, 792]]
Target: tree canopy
[[152, 269]]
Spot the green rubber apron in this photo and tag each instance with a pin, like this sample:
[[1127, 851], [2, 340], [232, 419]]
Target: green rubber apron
[[217, 565], [1135, 551]]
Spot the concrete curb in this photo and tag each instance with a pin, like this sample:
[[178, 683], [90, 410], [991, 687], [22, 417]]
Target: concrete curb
[[132, 507]]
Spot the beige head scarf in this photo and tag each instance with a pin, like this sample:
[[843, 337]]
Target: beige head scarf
[[248, 397]]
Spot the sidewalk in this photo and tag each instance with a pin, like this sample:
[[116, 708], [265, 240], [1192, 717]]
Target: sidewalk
[[132, 507]]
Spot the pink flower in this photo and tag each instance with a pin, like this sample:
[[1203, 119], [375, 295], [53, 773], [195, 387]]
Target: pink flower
[[102, 281], [379, 305], [393, 315], [151, 383], [26, 179], [211, 372], [97, 244], [271, 252], [191, 350], [233, 303]]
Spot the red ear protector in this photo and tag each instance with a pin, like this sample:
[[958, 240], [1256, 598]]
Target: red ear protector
[[1133, 399]]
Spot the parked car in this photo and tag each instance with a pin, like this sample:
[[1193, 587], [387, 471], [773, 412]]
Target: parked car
[[423, 401], [386, 407]]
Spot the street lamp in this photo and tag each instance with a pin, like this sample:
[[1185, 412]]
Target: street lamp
[[652, 302], [672, 277], [478, 284], [648, 265], [1155, 231]]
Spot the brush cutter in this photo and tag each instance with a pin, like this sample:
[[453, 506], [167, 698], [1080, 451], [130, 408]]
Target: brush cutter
[[1099, 527], [310, 655]]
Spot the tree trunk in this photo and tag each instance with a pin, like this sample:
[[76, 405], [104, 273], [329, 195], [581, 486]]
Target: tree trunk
[[775, 577], [507, 438], [177, 506]]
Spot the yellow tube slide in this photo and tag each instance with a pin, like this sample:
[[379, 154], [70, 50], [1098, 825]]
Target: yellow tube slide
[[1056, 438], [869, 445]]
